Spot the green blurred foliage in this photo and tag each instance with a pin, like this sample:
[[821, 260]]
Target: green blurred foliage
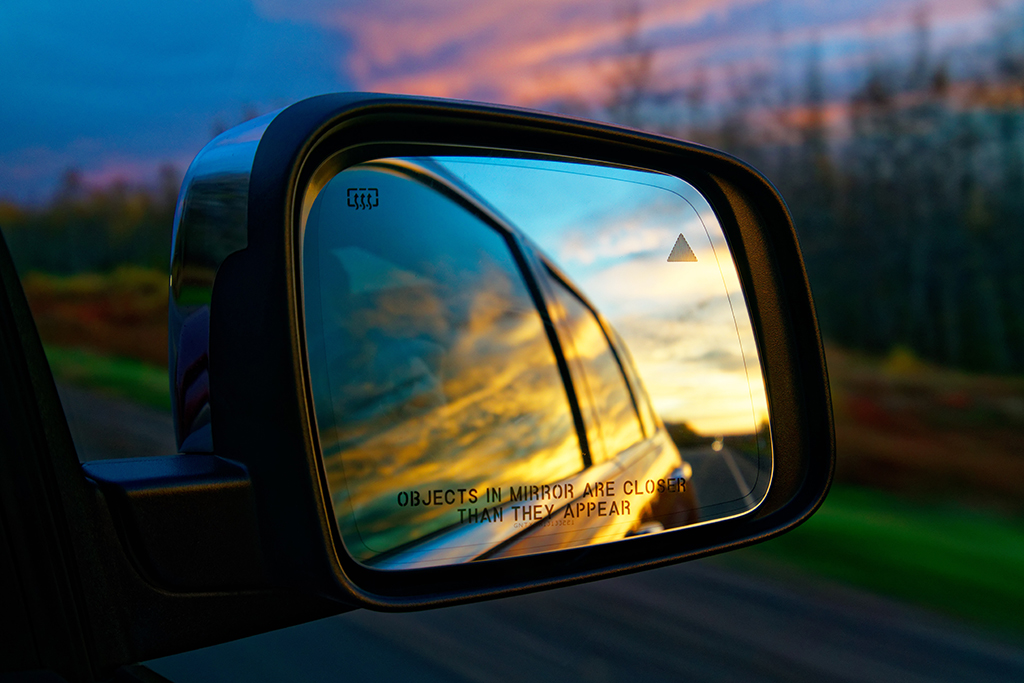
[[926, 432], [138, 290], [946, 557], [125, 378]]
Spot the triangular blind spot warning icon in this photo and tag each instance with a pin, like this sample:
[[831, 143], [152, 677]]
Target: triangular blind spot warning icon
[[682, 251]]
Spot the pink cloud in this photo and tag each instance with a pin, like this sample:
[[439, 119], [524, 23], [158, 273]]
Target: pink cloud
[[128, 171], [33, 174], [517, 52], [528, 52]]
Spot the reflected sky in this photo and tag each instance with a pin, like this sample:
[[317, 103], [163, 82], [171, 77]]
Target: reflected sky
[[611, 230]]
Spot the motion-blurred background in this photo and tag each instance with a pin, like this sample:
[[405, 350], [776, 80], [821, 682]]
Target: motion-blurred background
[[894, 129]]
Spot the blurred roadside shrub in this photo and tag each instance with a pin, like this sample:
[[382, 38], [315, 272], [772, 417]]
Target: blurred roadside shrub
[[120, 313], [83, 229], [927, 432]]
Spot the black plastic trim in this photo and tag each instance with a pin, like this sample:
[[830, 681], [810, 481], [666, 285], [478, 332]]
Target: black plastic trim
[[189, 520]]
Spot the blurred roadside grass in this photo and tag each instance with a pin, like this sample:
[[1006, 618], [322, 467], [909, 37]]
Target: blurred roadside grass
[[105, 331], [927, 432], [928, 504], [120, 313], [943, 556], [125, 378]]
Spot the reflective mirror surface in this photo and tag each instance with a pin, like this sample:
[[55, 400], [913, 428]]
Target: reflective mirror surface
[[512, 356]]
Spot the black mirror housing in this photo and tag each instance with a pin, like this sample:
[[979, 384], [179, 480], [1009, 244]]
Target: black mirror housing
[[260, 401]]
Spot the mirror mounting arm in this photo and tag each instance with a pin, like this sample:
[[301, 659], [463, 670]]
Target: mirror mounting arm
[[189, 520]]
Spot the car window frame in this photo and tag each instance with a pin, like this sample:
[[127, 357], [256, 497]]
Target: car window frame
[[558, 278]]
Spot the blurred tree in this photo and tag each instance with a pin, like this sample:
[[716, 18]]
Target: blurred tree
[[86, 229], [631, 78], [910, 216]]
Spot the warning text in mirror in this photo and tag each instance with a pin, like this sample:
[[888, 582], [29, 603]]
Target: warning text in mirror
[[532, 503]]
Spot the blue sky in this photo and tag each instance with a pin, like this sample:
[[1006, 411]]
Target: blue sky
[[115, 89]]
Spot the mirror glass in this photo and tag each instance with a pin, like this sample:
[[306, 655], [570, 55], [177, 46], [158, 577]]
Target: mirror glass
[[517, 355]]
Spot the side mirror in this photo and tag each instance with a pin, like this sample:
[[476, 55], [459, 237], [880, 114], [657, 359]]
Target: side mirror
[[425, 352]]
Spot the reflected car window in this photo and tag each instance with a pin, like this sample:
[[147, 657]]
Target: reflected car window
[[643, 400], [614, 415], [425, 348]]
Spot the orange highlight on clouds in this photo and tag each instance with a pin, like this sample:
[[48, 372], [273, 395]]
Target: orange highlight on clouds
[[532, 52], [521, 52]]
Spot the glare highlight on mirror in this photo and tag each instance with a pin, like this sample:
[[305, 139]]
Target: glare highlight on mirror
[[512, 356]]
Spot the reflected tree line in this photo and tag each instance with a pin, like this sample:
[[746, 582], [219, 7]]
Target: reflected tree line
[[907, 193]]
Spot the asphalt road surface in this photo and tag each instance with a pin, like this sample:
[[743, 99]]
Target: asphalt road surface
[[720, 476], [690, 622], [699, 621], [104, 427]]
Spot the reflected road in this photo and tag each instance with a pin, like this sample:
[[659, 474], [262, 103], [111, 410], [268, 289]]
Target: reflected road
[[720, 476]]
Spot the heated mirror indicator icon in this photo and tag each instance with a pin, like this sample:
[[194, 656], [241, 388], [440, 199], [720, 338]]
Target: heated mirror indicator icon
[[363, 198], [681, 251]]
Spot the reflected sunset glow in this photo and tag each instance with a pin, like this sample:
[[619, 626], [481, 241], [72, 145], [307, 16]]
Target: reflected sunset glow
[[684, 323]]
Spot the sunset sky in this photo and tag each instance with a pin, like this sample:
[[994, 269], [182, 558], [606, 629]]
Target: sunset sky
[[118, 89]]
